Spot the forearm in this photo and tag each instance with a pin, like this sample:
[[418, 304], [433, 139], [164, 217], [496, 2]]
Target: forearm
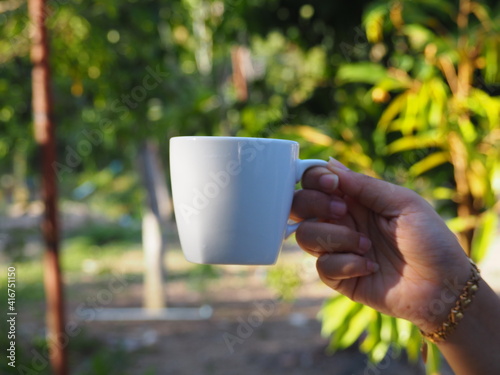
[[474, 347]]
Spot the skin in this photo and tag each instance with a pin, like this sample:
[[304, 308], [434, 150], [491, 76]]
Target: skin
[[384, 246]]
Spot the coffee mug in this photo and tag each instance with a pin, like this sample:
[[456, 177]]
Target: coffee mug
[[233, 195]]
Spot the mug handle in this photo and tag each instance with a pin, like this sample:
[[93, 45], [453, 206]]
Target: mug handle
[[300, 167]]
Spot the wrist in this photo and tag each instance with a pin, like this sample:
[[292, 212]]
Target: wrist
[[473, 346], [445, 313]]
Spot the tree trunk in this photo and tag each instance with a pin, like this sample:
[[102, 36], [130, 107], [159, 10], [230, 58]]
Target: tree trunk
[[239, 76], [457, 148], [45, 137], [155, 225]]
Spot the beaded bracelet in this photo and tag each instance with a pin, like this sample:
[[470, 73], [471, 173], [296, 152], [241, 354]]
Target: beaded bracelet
[[457, 312]]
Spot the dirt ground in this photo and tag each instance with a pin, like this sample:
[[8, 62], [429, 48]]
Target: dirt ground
[[250, 331]]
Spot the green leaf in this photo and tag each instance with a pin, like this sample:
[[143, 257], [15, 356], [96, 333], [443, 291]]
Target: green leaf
[[484, 105], [373, 21], [334, 313], [387, 335], [443, 193], [373, 337], [390, 84], [495, 176], [343, 329], [467, 129], [364, 72], [357, 325], [428, 163], [312, 135], [433, 359], [386, 328], [418, 35], [492, 49], [413, 142], [404, 328], [484, 234], [437, 106], [460, 224], [410, 115], [379, 352], [414, 344], [393, 110]]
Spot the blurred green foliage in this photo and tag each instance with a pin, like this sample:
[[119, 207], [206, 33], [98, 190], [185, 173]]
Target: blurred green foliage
[[432, 77], [89, 257], [199, 277], [89, 356], [434, 109], [98, 234], [284, 280]]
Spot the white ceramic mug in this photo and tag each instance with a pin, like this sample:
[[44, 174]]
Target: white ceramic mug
[[232, 196]]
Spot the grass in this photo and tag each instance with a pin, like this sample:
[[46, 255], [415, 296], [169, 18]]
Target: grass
[[87, 356], [88, 257]]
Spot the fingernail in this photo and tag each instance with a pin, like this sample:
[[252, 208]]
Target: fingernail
[[329, 182], [337, 164], [323, 257], [372, 266], [337, 209], [364, 243]]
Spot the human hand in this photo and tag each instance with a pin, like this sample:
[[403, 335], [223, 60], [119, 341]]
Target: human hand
[[380, 244]]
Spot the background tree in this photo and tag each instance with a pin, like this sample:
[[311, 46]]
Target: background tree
[[436, 81]]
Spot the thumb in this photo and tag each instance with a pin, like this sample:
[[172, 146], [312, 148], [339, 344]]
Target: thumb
[[380, 196]]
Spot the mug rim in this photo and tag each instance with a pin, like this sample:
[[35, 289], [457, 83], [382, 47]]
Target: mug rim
[[234, 139]]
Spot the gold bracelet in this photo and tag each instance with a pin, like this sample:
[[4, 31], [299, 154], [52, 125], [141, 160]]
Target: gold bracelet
[[457, 312]]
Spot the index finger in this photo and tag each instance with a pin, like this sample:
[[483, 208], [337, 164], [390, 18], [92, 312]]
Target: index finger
[[320, 178]]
